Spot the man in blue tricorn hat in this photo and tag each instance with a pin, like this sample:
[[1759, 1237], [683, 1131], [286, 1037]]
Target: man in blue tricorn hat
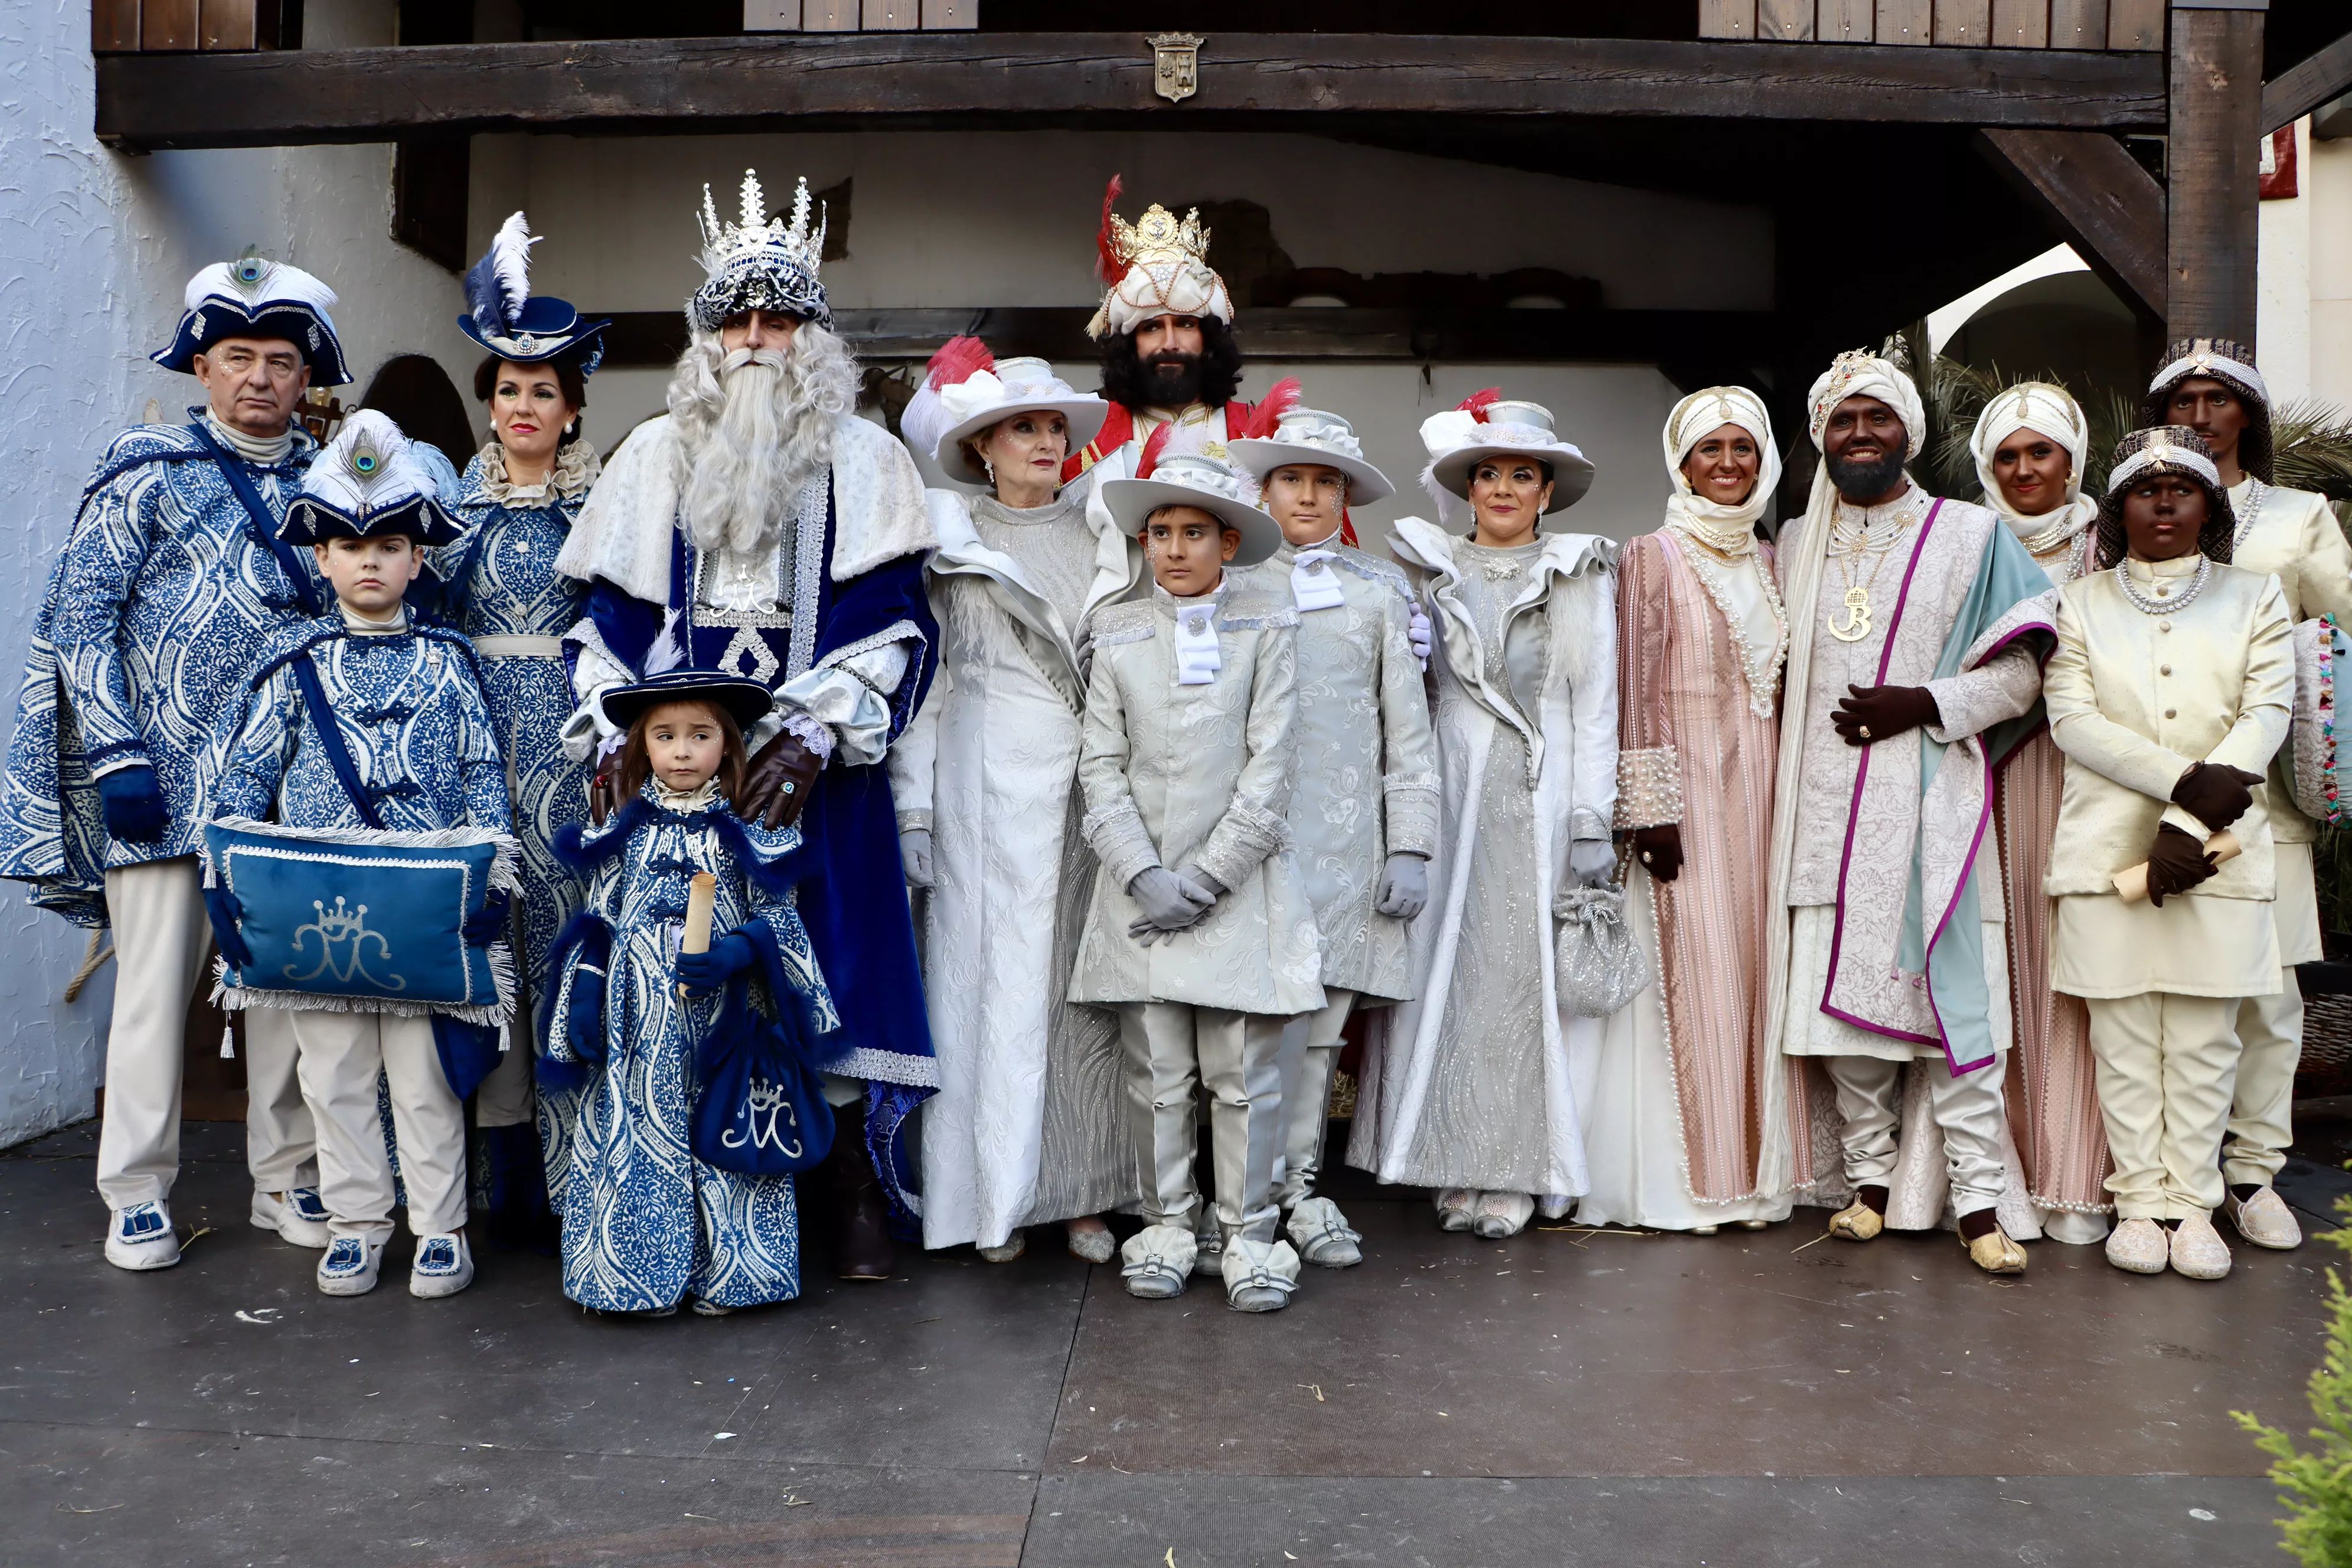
[[761, 529], [172, 579]]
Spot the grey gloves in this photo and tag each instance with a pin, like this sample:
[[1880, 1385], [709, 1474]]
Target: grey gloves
[[1405, 886], [1592, 861], [1172, 900], [915, 854]]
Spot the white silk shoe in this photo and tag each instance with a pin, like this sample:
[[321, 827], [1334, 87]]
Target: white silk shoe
[[2198, 1250], [1453, 1206], [2139, 1245], [2265, 1219]]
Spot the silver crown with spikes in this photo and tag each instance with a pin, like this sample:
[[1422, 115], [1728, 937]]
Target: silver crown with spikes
[[759, 263]]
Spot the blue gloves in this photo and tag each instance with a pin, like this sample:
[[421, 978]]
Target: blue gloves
[[488, 923], [133, 803], [703, 973], [585, 1018], [223, 910]]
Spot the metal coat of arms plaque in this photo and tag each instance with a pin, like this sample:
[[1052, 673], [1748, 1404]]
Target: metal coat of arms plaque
[[1175, 65]]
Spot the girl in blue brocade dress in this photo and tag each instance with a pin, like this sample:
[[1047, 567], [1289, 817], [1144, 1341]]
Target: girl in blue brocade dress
[[644, 1222]]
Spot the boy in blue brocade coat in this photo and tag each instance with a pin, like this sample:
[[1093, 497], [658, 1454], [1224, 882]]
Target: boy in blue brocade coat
[[407, 702]]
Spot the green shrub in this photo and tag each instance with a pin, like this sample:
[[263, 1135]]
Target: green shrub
[[2318, 1496]]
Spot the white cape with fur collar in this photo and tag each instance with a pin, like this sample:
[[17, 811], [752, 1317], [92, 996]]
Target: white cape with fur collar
[[623, 531]]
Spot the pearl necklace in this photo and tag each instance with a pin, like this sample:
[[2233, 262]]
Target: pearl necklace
[[2162, 605], [2254, 492]]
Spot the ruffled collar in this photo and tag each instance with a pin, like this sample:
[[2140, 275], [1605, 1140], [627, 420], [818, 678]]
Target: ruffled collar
[[690, 803], [577, 467], [267, 452]]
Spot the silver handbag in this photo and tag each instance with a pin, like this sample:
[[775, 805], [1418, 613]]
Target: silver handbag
[[1601, 967]]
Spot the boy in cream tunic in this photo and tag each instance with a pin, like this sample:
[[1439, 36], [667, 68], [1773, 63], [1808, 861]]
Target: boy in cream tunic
[[1200, 933], [1363, 807], [2211, 385], [2169, 693]]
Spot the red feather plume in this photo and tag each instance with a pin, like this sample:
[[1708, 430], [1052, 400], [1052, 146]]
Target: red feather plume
[[957, 362], [1153, 449], [1110, 264], [1477, 403], [1281, 400]]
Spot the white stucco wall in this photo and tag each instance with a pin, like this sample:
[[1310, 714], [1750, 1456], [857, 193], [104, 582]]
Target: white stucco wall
[[2305, 319], [95, 247]]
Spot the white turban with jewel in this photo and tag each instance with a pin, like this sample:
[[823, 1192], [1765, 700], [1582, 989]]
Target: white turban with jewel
[[1860, 374], [1728, 528]]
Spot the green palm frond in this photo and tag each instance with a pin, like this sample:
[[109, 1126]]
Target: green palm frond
[[2313, 443]]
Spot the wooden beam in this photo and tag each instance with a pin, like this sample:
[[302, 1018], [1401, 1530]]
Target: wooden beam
[[916, 80], [2325, 76], [2109, 208], [644, 338], [2212, 232]]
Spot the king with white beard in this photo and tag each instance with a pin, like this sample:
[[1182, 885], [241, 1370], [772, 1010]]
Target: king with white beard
[[761, 528]]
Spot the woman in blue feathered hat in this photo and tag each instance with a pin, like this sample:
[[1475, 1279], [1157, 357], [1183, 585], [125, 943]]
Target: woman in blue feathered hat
[[516, 502]]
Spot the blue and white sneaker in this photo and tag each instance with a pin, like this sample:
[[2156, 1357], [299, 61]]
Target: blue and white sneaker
[[299, 1216], [141, 1238], [350, 1266], [443, 1266]]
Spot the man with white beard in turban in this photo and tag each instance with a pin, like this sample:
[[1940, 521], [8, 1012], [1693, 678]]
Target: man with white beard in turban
[[1916, 631], [762, 529]]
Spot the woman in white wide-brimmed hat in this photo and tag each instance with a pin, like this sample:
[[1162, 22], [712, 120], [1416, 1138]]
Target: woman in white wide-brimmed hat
[[1025, 1128], [2029, 446], [1688, 1122], [1469, 1091]]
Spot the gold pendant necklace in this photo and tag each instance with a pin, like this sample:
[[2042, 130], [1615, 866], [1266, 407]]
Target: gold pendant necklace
[[1857, 613]]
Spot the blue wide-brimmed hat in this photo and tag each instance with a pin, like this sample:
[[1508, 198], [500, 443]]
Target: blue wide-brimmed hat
[[505, 317], [366, 483], [745, 701], [252, 297]]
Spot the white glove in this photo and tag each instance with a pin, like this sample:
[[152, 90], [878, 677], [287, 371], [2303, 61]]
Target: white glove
[[1169, 904], [1592, 861], [915, 854], [1405, 886], [1416, 632]]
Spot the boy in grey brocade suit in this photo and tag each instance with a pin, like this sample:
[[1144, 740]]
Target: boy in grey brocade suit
[[1364, 800], [1200, 933]]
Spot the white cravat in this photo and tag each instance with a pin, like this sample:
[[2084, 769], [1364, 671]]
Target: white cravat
[[1197, 659], [361, 625], [1313, 584]]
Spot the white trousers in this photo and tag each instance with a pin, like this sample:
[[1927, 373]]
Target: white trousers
[[2262, 1116], [1967, 1107], [157, 912], [1173, 1051], [340, 1055], [1310, 1047], [2165, 1067]]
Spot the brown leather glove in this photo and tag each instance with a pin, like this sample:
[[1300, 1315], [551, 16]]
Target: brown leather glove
[[776, 784], [1884, 711], [2176, 863], [1659, 850], [2215, 793], [604, 790]]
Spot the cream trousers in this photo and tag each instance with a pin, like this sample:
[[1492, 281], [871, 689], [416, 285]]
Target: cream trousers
[[1174, 1050], [157, 911], [2165, 1067], [340, 1055], [1310, 1045], [1967, 1107]]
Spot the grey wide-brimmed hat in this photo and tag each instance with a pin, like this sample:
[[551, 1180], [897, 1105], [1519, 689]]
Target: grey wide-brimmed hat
[[1193, 479], [1458, 443], [1312, 436]]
